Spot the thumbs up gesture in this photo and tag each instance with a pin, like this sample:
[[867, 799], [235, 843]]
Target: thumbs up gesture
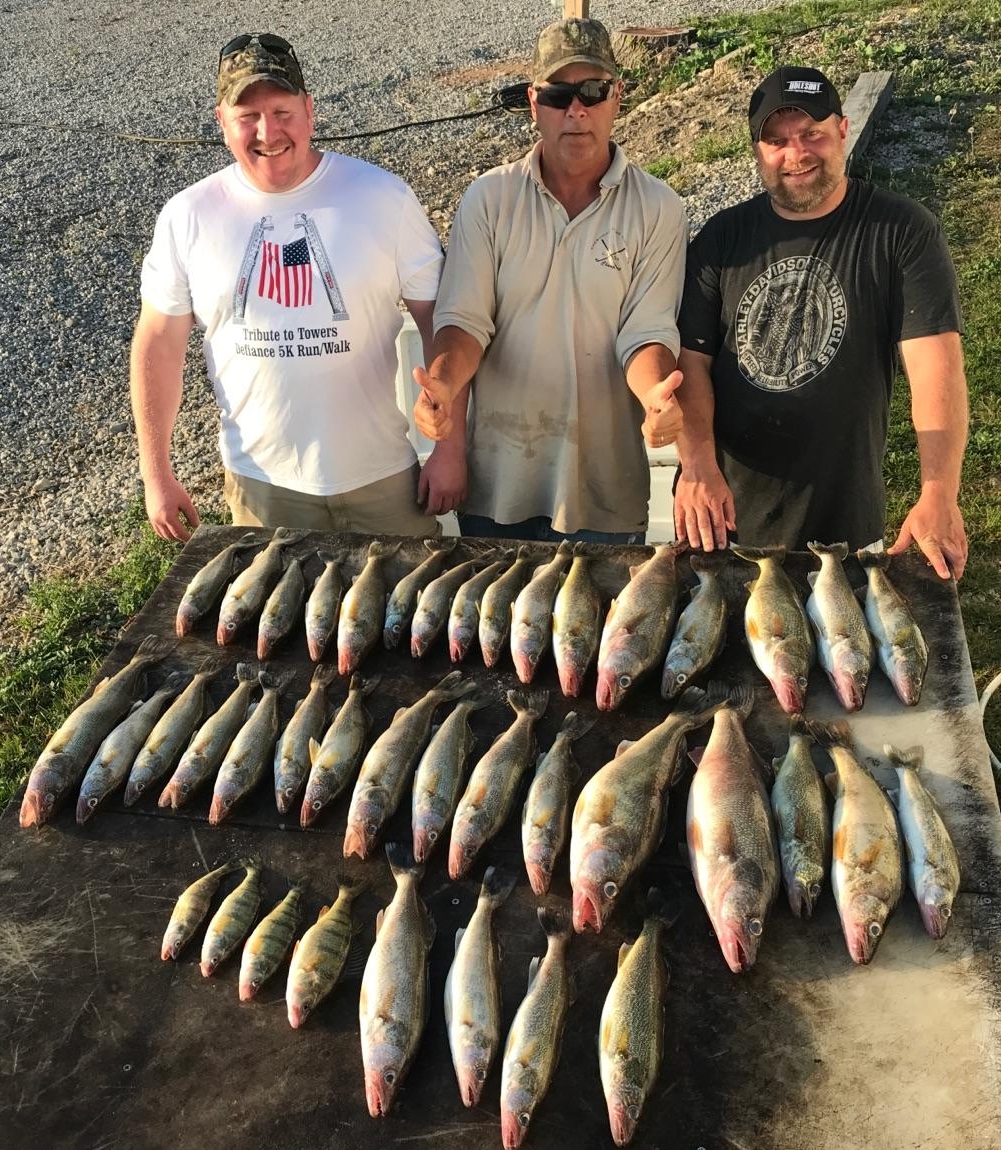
[[663, 413]]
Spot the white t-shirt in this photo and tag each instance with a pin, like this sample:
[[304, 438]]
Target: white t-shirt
[[298, 296]]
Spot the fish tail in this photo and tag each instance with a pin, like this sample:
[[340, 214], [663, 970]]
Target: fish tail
[[324, 674], [556, 921], [401, 861], [498, 882], [800, 726], [154, 647], [273, 680], [350, 886], [327, 557], [657, 906], [566, 548], [707, 561], [211, 665], [740, 698], [820, 549], [878, 559], [756, 554], [574, 725], [532, 703], [580, 549], [246, 673], [364, 686], [175, 681], [286, 536], [378, 549], [248, 540], [911, 759], [833, 734]]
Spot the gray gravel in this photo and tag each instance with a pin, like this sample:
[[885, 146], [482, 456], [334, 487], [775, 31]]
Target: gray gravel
[[78, 210]]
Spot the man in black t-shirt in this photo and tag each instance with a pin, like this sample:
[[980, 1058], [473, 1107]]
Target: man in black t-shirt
[[796, 303]]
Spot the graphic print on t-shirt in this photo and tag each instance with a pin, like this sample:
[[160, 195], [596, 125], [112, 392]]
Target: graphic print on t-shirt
[[284, 271], [790, 323]]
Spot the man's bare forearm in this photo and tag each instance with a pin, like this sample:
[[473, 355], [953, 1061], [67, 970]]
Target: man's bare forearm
[[156, 384], [696, 441], [455, 356]]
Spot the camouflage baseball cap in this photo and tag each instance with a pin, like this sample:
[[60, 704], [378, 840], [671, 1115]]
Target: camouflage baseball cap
[[251, 58], [572, 42]]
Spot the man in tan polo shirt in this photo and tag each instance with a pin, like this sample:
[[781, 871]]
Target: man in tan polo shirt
[[559, 295]]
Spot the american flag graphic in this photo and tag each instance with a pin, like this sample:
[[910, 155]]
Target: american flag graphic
[[286, 274]]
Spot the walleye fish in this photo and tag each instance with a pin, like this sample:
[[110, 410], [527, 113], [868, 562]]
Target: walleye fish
[[282, 610], [403, 597], [637, 626], [292, 760], [844, 647], [363, 610], [933, 864], [731, 840], [867, 866], [472, 989], [902, 651], [576, 624], [208, 747], [631, 1032], [545, 820], [532, 1050], [173, 731], [464, 617], [269, 942], [802, 822], [490, 792], [64, 760], [439, 776], [497, 603], [394, 1001], [192, 907], [229, 925], [532, 613], [700, 633], [334, 760], [386, 769], [117, 753], [208, 583], [776, 627], [319, 956], [433, 606], [245, 596], [618, 820], [323, 605], [251, 750]]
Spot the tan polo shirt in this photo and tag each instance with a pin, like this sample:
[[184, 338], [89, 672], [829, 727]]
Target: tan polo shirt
[[560, 306]]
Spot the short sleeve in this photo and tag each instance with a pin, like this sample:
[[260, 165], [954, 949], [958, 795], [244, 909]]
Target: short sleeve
[[419, 254], [164, 279], [702, 301]]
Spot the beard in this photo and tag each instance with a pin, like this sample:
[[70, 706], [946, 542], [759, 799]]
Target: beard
[[810, 195]]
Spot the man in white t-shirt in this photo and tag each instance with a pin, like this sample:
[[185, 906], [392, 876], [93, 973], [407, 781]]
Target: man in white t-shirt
[[293, 263]]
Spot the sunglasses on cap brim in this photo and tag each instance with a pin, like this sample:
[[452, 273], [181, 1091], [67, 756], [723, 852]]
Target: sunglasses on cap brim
[[588, 92], [266, 40]]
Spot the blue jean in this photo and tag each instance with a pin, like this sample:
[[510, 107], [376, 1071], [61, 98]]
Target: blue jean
[[540, 528]]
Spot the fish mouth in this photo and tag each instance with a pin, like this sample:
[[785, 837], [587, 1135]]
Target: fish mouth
[[539, 877], [378, 1095], [185, 622], [84, 809], [356, 842], [33, 812], [390, 639], [169, 952], [608, 696], [739, 947], [861, 941], [347, 661], [417, 647], [225, 635], [458, 864], [308, 813], [670, 684], [457, 649], [571, 681], [622, 1126], [524, 668], [296, 1015], [218, 811], [470, 1090], [908, 688], [586, 912], [264, 648], [936, 919], [208, 968], [423, 844], [512, 1132], [851, 693], [790, 695], [490, 655], [800, 898], [247, 991], [315, 648]]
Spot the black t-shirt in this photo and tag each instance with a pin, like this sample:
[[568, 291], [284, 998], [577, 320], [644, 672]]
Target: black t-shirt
[[802, 319]]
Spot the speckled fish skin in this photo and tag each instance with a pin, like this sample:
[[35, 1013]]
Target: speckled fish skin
[[386, 769], [245, 596], [900, 646], [844, 646], [208, 747], [545, 819], [324, 605], [192, 907], [498, 601], [433, 607], [230, 923], [320, 954], [576, 624], [867, 862], [532, 1050], [731, 839], [117, 753], [489, 796], [532, 613], [631, 1031], [269, 942], [700, 633], [282, 610], [334, 760], [394, 1001], [172, 733], [363, 610], [932, 862], [637, 626], [292, 760], [62, 763], [208, 584], [802, 821], [472, 990], [403, 597], [776, 627], [618, 818], [249, 754], [438, 779], [464, 617]]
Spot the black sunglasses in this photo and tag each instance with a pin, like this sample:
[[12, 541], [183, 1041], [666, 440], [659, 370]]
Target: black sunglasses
[[589, 92], [266, 40]]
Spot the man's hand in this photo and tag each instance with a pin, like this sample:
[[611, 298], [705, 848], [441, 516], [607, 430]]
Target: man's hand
[[442, 484], [433, 409], [935, 524], [703, 508], [663, 419], [166, 502]]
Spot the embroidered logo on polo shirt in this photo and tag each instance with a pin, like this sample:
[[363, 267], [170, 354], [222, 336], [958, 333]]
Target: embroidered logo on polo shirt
[[610, 250], [790, 323]]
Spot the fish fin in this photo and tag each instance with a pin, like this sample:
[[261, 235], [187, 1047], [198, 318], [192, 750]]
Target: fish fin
[[314, 750], [831, 782], [533, 970], [378, 921], [458, 936], [623, 746], [695, 754], [363, 685], [401, 711], [624, 950], [575, 725], [811, 578]]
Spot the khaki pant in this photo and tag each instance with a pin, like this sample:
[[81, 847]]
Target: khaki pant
[[387, 507]]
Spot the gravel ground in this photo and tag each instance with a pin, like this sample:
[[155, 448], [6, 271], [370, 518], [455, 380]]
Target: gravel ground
[[79, 205]]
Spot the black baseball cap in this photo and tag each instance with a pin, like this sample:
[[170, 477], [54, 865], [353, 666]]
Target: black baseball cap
[[806, 89]]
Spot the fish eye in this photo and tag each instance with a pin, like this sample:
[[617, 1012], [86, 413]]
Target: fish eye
[[533, 657], [432, 836], [396, 628], [255, 984], [875, 930], [802, 681], [92, 803], [755, 928], [945, 911], [814, 889], [681, 678], [185, 787], [634, 1112], [625, 681], [611, 889], [524, 1118], [481, 1074], [231, 626], [372, 829], [470, 852], [49, 799], [140, 787], [317, 804], [390, 1077]]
